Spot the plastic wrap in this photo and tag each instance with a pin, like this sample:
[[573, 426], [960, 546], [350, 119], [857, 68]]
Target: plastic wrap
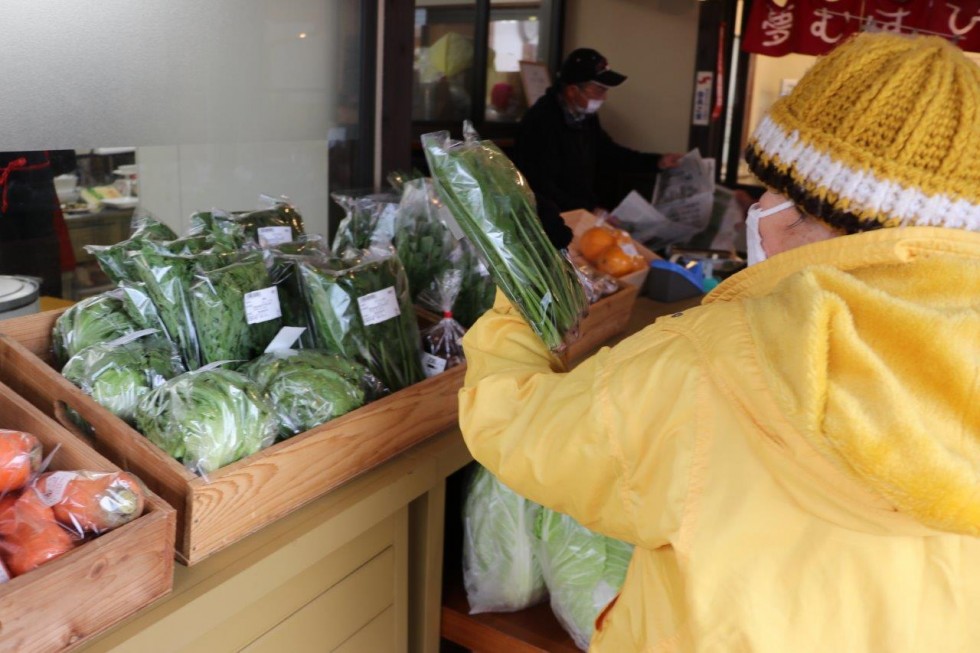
[[220, 226], [284, 274], [29, 533], [20, 459], [114, 259], [583, 571], [267, 226], [501, 571], [494, 207], [595, 284], [118, 373], [236, 310], [369, 222], [365, 313], [96, 319], [310, 387], [424, 243], [91, 502], [140, 307], [208, 418], [442, 343], [477, 290]]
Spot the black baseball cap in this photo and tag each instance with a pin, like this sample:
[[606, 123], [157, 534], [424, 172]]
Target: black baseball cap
[[587, 65]]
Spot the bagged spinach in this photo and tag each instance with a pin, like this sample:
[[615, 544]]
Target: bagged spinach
[[207, 418], [364, 312], [236, 310], [118, 373], [285, 275], [99, 318], [310, 387]]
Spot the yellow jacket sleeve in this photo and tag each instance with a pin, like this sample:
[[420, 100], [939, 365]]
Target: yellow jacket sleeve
[[601, 443]]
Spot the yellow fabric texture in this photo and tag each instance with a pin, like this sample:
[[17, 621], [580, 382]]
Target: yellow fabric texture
[[907, 109], [795, 460]]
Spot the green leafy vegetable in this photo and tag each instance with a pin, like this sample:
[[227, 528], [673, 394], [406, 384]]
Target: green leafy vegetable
[[424, 243], [114, 259], [221, 320], [369, 222], [96, 319], [364, 312], [310, 387], [207, 418], [500, 567], [583, 570], [494, 207], [140, 307], [281, 214], [117, 374]]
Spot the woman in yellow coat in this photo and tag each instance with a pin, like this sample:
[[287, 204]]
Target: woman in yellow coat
[[797, 461]]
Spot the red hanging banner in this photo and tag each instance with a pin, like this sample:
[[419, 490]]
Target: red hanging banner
[[822, 24], [770, 28], [957, 20]]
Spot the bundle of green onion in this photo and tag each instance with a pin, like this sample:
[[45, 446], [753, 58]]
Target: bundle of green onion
[[494, 207]]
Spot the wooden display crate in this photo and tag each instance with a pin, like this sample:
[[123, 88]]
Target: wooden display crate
[[242, 497], [68, 600]]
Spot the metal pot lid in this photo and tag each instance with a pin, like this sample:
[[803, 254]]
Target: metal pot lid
[[17, 291]]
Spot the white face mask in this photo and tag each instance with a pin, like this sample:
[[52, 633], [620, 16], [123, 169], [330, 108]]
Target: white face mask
[[592, 106], [753, 239]]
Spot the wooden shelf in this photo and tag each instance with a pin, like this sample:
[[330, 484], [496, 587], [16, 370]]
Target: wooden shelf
[[534, 630]]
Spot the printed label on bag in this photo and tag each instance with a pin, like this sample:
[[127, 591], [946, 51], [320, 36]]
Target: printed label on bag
[[272, 236], [433, 364], [54, 487], [379, 306], [262, 305], [629, 249], [286, 338]]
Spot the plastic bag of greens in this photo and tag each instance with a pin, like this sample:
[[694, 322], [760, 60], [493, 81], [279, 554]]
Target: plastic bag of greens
[[310, 387], [583, 571], [99, 318], [140, 307], [114, 259], [284, 273], [493, 206], [364, 312], [118, 373], [208, 418], [220, 225], [442, 343], [278, 222], [477, 290], [424, 243], [236, 310], [369, 222], [501, 571]]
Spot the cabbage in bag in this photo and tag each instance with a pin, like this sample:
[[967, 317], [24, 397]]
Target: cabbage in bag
[[99, 318], [583, 571], [501, 571]]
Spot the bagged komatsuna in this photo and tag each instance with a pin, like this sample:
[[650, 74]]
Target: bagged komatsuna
[[310, 387], [501, 571], [583, 570], [208, 418], [118, 373], [494, 207]]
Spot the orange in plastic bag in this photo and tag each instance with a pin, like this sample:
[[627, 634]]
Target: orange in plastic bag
[[618, 261], [91, 502], [20, 458], [594, 241]]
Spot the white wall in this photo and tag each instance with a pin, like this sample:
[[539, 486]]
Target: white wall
[[654, 43], [223, 98]]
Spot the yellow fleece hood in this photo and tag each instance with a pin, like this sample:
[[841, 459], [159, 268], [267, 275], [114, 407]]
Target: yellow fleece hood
[[870, 346]]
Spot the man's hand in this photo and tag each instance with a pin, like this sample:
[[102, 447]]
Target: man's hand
[[669, 160]]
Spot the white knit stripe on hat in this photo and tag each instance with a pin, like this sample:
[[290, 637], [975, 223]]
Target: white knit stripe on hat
[[866, 192]]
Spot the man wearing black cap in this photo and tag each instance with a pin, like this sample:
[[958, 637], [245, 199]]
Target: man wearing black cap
[[562, 148]]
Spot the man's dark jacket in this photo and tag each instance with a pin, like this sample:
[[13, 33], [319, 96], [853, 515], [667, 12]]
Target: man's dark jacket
[[563, 159]]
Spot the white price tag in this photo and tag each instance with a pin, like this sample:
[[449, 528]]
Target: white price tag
[[432, 364], [272, 236], [262, 305], [379, 306], [285, 339], [629, 249], [54, 487]]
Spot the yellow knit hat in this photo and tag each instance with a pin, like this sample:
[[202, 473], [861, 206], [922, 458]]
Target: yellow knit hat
[[882, 132]]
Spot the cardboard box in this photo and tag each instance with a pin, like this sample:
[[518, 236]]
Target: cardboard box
[[242, 497], [67, 601]]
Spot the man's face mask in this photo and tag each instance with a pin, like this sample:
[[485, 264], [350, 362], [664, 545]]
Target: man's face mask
[[753, 239]]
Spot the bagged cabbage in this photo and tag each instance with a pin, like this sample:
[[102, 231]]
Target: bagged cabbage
[[442, 343], [364, 312], [501, 571], [583, 571], [236, 310], [310, 387], [96, 319], [117, 374], [208, 418]]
